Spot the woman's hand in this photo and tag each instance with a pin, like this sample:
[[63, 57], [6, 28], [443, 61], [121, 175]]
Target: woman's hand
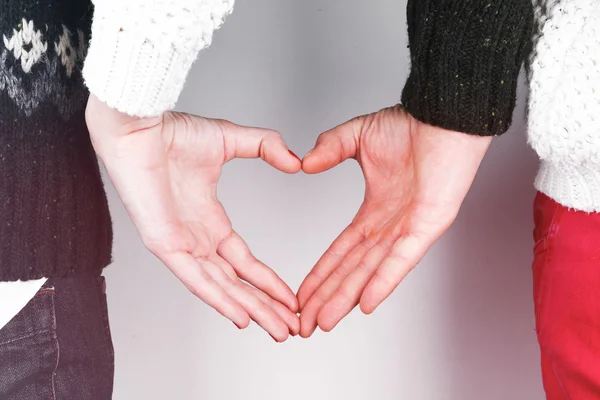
[[165, 170], [417, 176]]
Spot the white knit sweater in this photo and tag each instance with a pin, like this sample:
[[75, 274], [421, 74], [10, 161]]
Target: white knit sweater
[[564, 105], [142, 50]]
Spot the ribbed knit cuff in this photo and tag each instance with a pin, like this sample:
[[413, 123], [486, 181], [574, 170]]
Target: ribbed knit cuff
[[466, 56], [573, 186], [134, 76], [141, 51]]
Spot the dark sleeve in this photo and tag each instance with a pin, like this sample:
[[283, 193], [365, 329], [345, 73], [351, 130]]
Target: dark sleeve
[[465, 61]]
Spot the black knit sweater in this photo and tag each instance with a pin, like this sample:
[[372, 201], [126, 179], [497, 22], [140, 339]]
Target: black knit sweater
[[54, 218], [466, 56]]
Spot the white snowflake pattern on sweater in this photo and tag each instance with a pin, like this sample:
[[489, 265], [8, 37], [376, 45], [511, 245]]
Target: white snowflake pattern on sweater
[[26, 44]]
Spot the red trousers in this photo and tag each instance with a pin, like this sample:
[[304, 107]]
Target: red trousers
[[566, 274]]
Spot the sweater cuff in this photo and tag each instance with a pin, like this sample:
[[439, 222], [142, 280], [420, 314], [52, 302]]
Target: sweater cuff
[[132, 77], [465, 61], [141, 52]]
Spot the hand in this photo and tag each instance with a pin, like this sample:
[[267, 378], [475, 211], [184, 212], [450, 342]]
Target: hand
[[416, 178], [165, 170]]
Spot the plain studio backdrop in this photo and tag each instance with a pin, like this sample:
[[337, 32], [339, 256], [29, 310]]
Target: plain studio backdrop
[[461, 326]]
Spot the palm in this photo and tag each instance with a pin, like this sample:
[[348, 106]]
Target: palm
[[416, 178], [403, 179], [166, 171], [195, 162]]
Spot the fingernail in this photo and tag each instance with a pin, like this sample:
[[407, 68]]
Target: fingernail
[[294, 154]]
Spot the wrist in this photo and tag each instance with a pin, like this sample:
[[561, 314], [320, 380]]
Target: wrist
[[107, 125], [455, 142]]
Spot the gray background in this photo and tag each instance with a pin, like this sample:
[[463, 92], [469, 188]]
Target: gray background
[[460, 327]]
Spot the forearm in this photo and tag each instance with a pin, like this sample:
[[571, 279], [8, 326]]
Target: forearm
[[142, 50], [465, 61]]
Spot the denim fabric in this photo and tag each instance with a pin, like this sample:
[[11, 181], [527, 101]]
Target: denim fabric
[[59, 345]]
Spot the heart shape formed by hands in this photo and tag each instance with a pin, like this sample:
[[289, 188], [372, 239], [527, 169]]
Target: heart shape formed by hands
[[166, 169]]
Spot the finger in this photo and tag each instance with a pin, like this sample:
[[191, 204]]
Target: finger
[[402, 258], [246, 142], [203, 286], [308, 317], [347, 295], [260, 313], [330, 260], [333, 147], [236, 252], [289, 317]]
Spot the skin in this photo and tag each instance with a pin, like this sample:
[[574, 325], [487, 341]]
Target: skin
[[417, 177], [165, 170]]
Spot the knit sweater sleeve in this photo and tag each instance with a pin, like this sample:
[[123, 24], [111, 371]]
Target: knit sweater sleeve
[[141, 50], [465, 61]]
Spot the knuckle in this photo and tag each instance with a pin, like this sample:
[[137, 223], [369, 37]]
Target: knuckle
[[364, 266], [387, 241], [339, 273], [273, 135], [317, 276], [319, 298], [343, 294], [385, 279], [196, 290], [398, 257]]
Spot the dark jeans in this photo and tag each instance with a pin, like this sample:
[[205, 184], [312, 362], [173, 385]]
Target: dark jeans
[[59, 345]]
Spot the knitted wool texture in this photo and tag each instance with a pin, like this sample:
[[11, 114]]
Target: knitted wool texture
[[564, 104], [54, 218], [466, 56], [141, 50]]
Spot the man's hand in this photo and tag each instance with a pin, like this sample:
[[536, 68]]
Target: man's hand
[[416, 177], [165, 170]]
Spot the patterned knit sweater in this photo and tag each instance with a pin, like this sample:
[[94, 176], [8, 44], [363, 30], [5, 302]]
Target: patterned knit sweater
[[564, 104], [54, 217]]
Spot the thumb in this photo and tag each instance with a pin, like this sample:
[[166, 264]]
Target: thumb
[[247, 142], [333, 147]]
